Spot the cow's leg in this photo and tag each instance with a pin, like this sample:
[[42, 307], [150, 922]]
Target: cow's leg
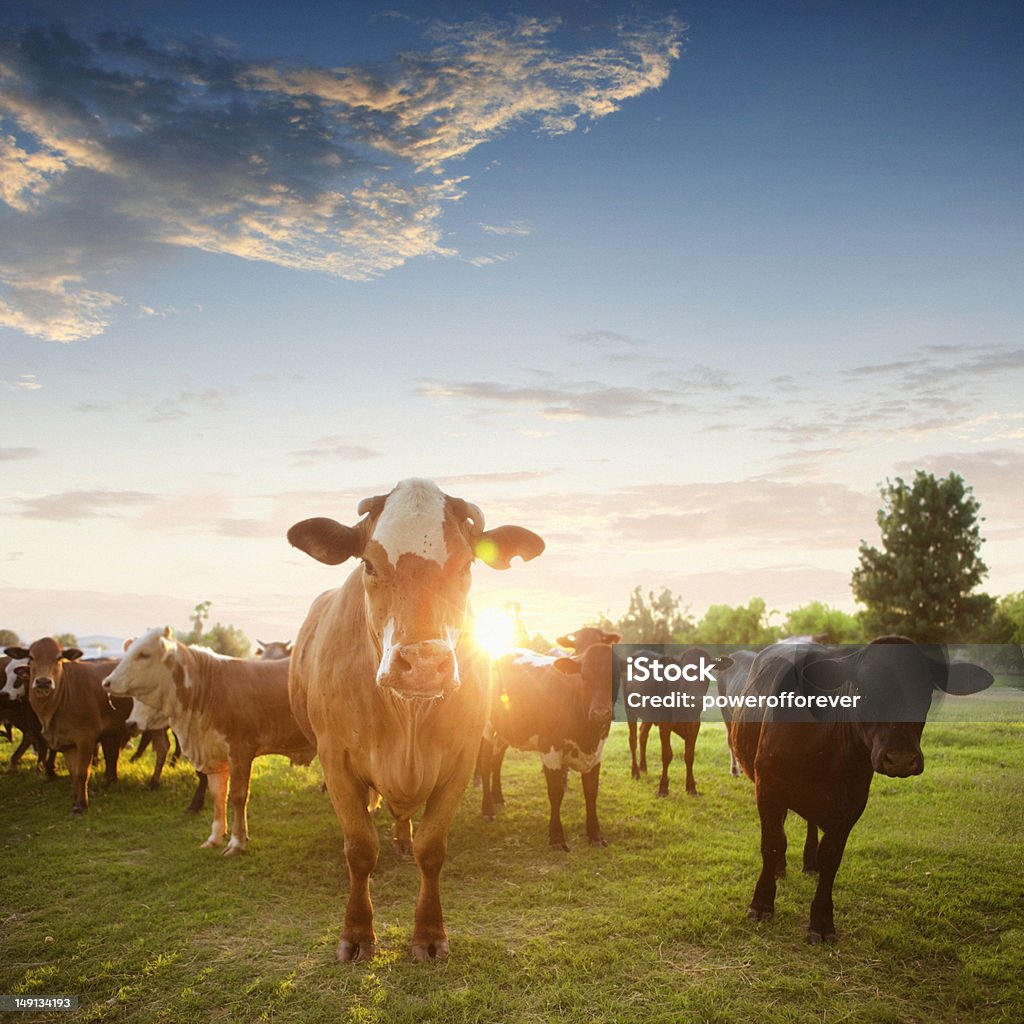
[[689, 748], [111, 744], [811, 849], [497, 760], [401, 837], [555, 778], [362, 847], [734, 765], [484, 758], [830, 853], [199, 796], [49, 762], [161, 747], [634, 767], [590, 783], [218, 783], [429, 939], [177, 750], [26, 742], [241, 772], [772, 813], [645, 731], [665, 731], [144, 741], [79, 761]]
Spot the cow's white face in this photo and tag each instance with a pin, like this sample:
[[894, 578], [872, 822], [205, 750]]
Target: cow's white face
[[14, 682], [417, 546], [145, 670]]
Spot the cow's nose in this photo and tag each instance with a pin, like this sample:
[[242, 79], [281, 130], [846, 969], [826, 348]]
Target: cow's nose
[[106, 684], [902, 763], [427, 656], [43, 683]]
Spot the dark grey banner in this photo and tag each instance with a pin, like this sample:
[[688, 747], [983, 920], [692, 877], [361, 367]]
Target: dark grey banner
[[884, 681]]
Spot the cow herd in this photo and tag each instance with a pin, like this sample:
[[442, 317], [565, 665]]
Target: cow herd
[[386, 686]]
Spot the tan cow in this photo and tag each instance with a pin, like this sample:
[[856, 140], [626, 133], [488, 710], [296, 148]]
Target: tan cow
[[74, 712], [225, 711], [384, 680]]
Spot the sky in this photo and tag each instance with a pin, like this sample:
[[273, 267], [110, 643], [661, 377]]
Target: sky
[[677, 287]]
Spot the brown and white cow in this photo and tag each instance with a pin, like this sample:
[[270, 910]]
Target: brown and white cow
[[74, 713], [579, 640], [225, 711], [385, 681], [560, 707], [822, 767]]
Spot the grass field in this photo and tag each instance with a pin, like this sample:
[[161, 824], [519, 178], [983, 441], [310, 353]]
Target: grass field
[[122, 909]]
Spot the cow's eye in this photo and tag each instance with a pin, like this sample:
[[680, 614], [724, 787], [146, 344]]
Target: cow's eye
[[143, 654], [370, 571]]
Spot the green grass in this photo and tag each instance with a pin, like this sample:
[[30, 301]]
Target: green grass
[[122, 908]]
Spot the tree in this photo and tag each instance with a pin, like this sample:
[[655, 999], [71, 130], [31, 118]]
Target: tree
[[200, 614], [8, 638], [227, 640], [744, 624], [815, 619], [67, 639], [660, 619], [921, 583]]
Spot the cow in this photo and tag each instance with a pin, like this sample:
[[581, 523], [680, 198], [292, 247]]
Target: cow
[[587, 636], [561, 708], [16, 711], [822, 769], [686, 720], [74, 713], [276, 650], [225, 711], [731, 682], [387, 682], [151, 726]]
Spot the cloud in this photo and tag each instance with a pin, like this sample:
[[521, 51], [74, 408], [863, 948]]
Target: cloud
[[114, 147], [185, 403], [16, 454], [588, 400], [26, 382], [518, 228], [331, 449], [73, 505]]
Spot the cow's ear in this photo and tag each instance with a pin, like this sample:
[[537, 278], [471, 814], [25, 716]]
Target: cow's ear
[[325, 540], [963, 678], [71, 654], [16, 652], [569, 640], [827, 675], [499, 546], [722, 662], [568, 666], [168, 646], [127, 643], [611, 638]]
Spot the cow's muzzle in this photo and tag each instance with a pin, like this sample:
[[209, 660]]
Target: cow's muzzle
[[426, 669], [42, 685], [901, 764]]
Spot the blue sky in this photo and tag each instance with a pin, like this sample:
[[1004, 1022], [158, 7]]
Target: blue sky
[[677, 287]]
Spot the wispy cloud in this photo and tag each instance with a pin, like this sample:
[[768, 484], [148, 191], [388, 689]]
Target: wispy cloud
[[517, 228], [588, 400], [68, 506], [26, 382], [183, 404], [16, 454], [334, 448], [115, 146]]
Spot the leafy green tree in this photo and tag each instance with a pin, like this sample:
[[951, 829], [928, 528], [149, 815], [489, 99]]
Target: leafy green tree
[[67, 639], [200, 614], [921, 582], [815, 619], [8, 638], [744, 624], [659, 619], [227, 640], [1008, 619]]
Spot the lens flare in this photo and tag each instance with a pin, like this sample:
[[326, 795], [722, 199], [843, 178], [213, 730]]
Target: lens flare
[[495, 631]]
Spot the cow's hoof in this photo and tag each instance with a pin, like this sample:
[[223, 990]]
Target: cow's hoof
[[351, 952], [818, 938], [563, 845], [211, 844], [488, 817], [79, 809], [233, 851], [403, 851], [153, 784], [427, 951], [662, 794], [692, 792], [756, 914], [499, 801], [810, 870], [599, 841]]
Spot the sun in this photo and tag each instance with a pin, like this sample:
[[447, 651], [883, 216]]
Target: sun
[[495, 631]]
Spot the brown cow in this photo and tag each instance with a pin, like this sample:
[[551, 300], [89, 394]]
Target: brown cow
[[16, 711], [385, 681], [225, 711], [686, 721], [276, 650], [822, 769], [560, 707], [74, 712]]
